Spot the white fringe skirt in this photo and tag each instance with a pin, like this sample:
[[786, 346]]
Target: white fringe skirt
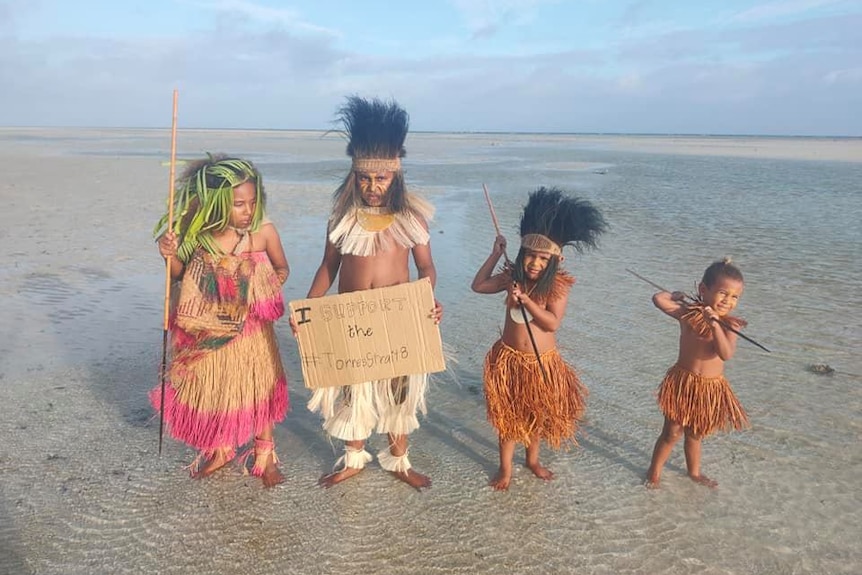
[[353, 412]]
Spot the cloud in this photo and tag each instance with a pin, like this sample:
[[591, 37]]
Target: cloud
[[244, 79], [824, 34], [289, 19], [11, 11], [782, 8], [797, 77], [849, 76], [487, 17]]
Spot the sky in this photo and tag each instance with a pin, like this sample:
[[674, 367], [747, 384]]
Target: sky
[[770, 67]]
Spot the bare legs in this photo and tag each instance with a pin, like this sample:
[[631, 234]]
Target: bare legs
[[218, 459], [670, 434], [692, 461], [398, 405], [264, 456], [501, 481], [533, 460], [333, 478], [397, 448]]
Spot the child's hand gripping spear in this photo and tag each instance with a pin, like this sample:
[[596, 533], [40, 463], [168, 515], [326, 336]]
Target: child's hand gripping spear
[[520, 304]]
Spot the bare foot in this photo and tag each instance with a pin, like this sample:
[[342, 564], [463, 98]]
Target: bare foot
[[501, 481], [271, 475], [540, 471], [219, 459], [652, 479], [704, 480], [337, 477], [413, 479]]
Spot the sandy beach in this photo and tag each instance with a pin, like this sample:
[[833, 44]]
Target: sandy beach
[[83, 490]]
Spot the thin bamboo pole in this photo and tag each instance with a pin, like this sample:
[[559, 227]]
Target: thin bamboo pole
[[166, 322]]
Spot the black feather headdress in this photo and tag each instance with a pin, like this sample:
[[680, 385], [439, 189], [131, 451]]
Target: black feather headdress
[[565, 220], [550, 221], [374, 129]]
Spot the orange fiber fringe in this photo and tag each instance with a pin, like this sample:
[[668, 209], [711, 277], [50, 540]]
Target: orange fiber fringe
[[694, 318], [702, 404], [520, 404]]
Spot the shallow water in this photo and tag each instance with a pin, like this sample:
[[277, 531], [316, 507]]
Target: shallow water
[[83, 490]]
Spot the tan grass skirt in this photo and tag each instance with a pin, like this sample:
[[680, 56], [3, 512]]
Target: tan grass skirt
[[521, 404], [701, 404]]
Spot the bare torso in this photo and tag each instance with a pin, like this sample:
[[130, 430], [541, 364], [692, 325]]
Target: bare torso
[[516, 336], [384, 269], [697, 354], [549, 314]]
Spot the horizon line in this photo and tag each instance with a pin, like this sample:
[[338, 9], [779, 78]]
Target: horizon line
[[455, 132]]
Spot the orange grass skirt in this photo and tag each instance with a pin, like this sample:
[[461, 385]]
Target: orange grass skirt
[[521, 405], [702, 404]]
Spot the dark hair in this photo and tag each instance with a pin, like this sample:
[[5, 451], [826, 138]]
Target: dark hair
[[721, 268], [545, 283]]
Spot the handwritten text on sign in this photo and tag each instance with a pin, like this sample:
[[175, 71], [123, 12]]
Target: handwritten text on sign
[[368, 335]]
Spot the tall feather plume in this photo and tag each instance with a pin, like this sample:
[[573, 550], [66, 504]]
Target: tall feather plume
[[374, 128], [567, 220]]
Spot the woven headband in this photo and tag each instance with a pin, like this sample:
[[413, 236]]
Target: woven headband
[[372, 165], [540, 243]]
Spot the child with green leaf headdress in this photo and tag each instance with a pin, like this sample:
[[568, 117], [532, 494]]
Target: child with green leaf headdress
[[226, 383], [204, 200]]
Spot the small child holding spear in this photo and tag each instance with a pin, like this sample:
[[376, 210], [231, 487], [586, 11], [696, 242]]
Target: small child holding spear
[[531, 393], [694, 396]]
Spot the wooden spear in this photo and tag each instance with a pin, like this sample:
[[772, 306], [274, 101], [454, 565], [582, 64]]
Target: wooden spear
[[692, 300], [166, 323]]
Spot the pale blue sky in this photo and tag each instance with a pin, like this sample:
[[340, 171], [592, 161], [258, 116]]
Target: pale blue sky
[[639, 66]]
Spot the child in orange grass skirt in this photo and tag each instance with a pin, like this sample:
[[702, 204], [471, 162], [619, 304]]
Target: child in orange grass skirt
[[528, 398], [694, 396]]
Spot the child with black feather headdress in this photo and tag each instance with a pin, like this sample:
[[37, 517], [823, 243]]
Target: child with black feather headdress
[[530, 392], [374, 228]]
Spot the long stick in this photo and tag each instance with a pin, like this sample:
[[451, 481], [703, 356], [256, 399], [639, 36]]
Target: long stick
[[166, 323], [520, 305], [720, 321]]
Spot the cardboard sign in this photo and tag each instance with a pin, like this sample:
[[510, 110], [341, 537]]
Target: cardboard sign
[[368, 335]]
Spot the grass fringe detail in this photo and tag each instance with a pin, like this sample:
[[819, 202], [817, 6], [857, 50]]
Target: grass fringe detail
[[702, 404], [521, 404]]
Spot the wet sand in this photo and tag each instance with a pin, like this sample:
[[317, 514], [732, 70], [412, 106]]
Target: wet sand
[[82, 489]]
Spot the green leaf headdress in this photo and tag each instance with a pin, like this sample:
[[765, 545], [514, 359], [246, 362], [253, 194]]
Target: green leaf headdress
[[204, 201]]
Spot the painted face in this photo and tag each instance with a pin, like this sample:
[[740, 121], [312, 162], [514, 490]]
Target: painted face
[[374, 187], [244, 204], [535, 263], [723, 295]]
